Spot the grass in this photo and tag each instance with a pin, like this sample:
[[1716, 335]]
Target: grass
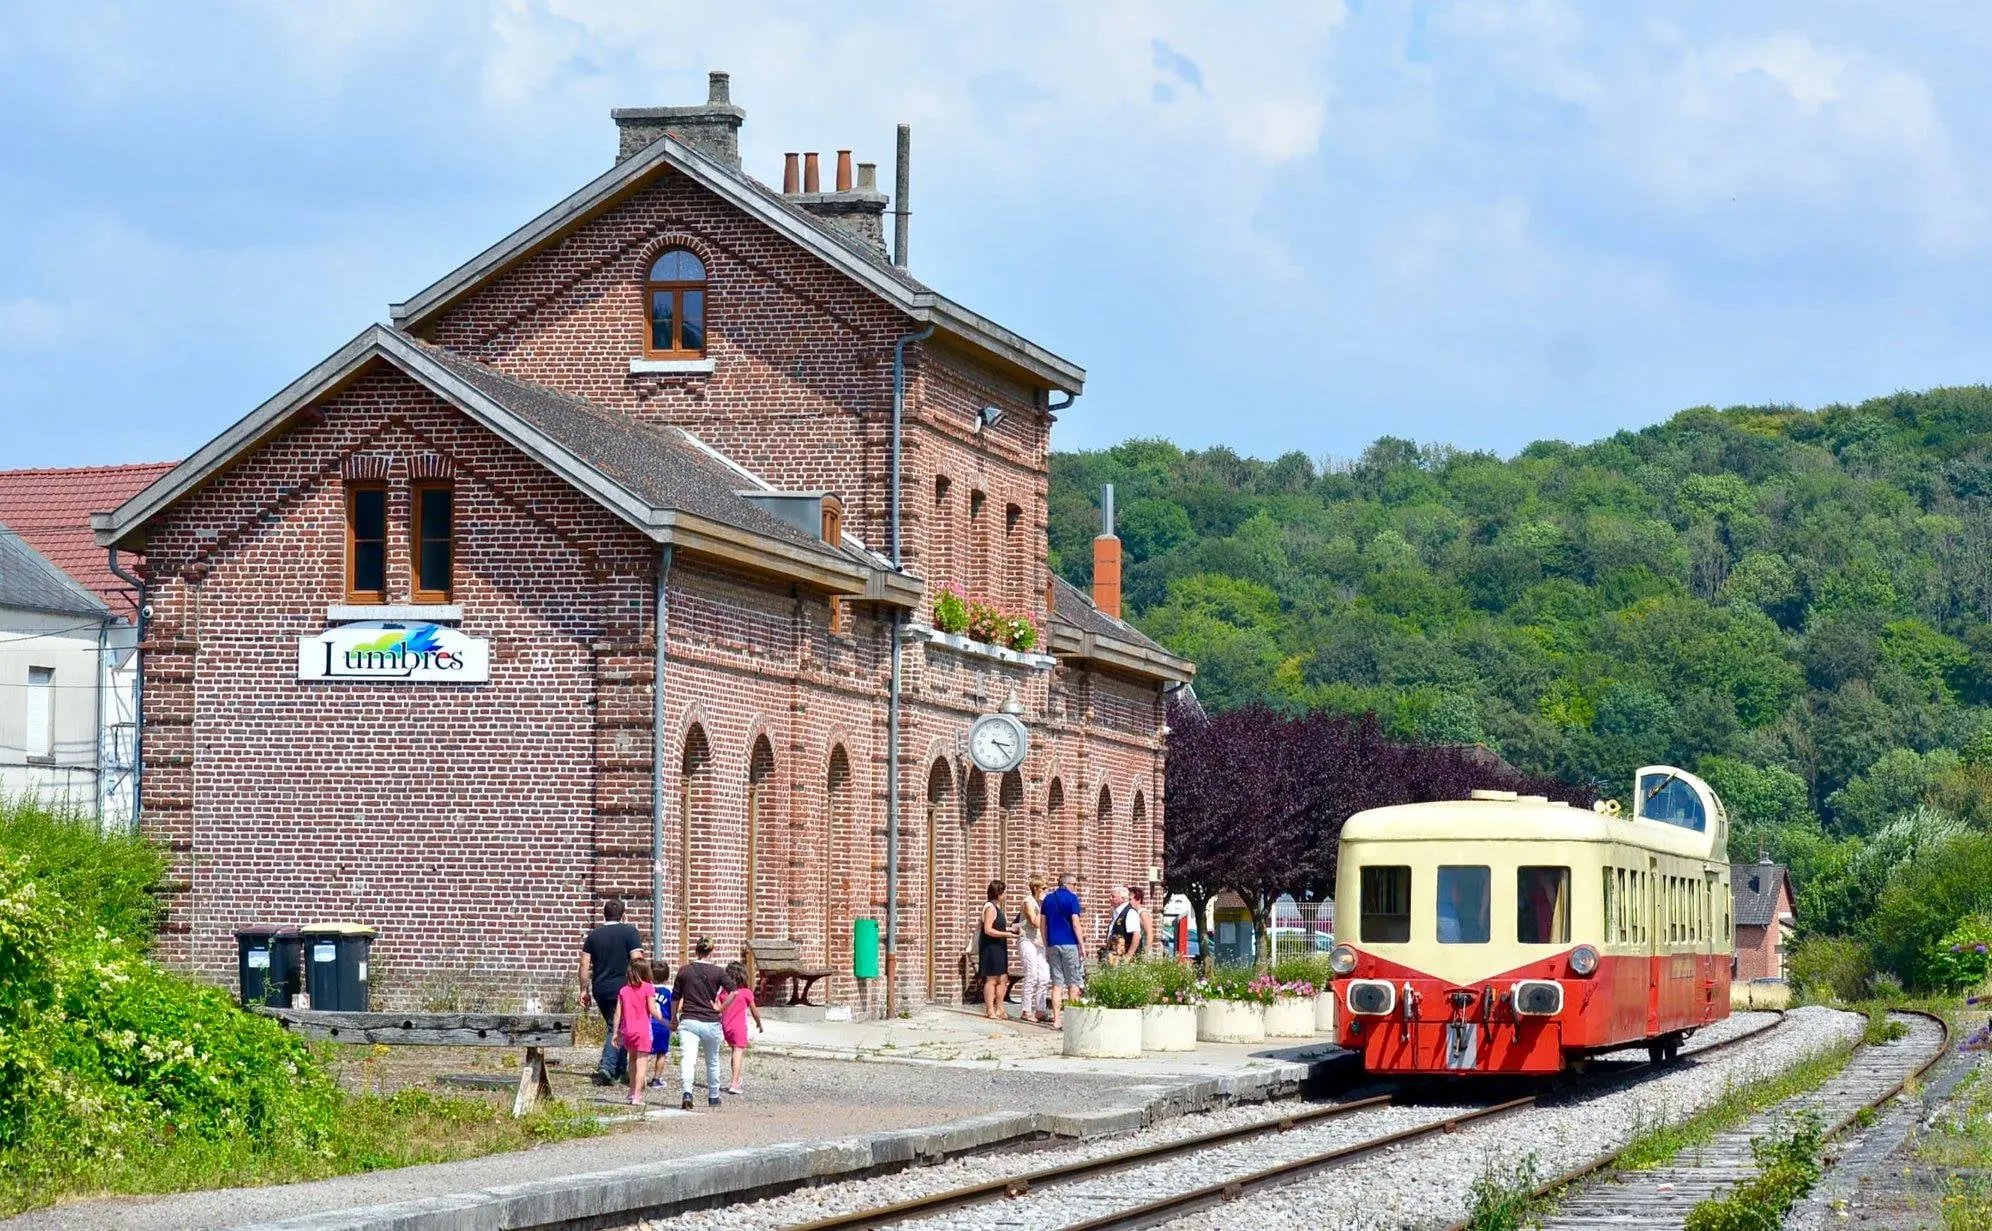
[[1660, 1144], [1744, 997]]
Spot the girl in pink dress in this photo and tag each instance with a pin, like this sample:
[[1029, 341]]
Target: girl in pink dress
[[636, 1008], [733, 1011]]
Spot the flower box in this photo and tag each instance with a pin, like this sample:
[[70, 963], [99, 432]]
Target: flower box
[[1102, 1032], [1169, 1027], [1231, 1021], [1290, 1017]]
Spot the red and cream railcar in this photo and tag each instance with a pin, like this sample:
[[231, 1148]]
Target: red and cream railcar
[[1513, 934]]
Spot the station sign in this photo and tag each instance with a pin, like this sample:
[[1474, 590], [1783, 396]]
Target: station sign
[[395, 652]]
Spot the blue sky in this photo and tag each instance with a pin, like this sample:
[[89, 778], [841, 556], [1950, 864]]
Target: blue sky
[[1275, 226]]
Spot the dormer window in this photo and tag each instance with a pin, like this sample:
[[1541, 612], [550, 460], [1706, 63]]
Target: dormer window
[[674, 303]]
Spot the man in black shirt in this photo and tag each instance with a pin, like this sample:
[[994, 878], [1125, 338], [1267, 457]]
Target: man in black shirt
[[605, 958]]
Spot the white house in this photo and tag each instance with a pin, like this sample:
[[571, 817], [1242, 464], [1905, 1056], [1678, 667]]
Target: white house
[[66, 672]]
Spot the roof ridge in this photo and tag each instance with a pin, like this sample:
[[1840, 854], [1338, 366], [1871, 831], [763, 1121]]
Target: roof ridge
[[105, 468]]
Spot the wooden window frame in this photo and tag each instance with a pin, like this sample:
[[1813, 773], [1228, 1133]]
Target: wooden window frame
[[353, 594], [676, 289], [415, 539]]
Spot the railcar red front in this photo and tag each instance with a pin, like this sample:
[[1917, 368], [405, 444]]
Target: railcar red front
[[1514, 934]]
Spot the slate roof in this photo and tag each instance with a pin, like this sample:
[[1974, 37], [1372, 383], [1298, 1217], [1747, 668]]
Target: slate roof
[[858, 261], [1076, 609], [51, 510], [1758, 907], [29, 580], [656, 463]]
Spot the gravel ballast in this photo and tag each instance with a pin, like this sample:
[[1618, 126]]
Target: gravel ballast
[[1404, 1186]]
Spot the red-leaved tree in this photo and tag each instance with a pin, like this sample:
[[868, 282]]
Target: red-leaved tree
[[1257, 798]]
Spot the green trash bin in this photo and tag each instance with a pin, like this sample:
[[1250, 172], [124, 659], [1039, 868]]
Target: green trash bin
[[335, 965], [864, 948]]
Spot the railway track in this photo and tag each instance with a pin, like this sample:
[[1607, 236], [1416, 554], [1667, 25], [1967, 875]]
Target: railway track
[[1157, 1183], [1661, 1198]]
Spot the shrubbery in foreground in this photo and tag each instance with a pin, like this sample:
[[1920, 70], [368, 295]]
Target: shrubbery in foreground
[[118, 1076]]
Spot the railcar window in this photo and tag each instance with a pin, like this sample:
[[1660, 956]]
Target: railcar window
[[1623, 907], [1463, 908], [1608, 900], [1386, 913], [1542, 906], [1664, 797]]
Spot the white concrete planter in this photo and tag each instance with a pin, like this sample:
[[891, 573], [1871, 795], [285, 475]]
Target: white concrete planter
[[1103, 1032], [1290, 1017], [1324, 1014], [1231, 1021], [1169, 1027]]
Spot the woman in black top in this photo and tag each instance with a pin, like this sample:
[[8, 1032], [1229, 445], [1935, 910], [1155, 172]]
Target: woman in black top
[[993, 962]]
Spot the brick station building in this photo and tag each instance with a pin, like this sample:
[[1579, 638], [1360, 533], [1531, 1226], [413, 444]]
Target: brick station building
[[679, 381]]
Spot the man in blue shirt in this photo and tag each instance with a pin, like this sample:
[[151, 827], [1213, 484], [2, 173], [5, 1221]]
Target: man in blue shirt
[[1061, 943]]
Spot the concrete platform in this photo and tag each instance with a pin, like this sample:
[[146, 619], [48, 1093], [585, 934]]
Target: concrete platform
[[1139, 1092]]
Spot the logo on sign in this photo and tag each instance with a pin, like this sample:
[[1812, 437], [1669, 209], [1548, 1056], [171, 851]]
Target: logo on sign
[[377, 650]]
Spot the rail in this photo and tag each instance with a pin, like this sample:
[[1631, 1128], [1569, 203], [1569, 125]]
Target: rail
[[1177, 1205], [1577, 1174]]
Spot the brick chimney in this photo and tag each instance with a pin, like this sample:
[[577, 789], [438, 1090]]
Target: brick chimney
[[1107, 558], [712, 129], [853, 209]]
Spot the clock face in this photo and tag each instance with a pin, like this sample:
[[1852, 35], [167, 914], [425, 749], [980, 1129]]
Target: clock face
[[997, 743]]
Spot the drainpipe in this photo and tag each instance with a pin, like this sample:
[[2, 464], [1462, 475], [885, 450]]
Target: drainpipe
[[137, 688], [103, 658], [892, 690], [658, 741]]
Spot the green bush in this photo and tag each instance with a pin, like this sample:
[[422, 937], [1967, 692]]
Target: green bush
[[1831, 968], [1130, 985], [1173, 982], [1788, 1165], [1304, 968], [1925, 899], [950, 612], [1240, 983], [1960, 960], [102, 879]]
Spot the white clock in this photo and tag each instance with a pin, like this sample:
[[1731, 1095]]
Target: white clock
[[997, 742]]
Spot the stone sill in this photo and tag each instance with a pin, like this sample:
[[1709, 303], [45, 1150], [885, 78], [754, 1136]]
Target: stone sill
[[963, 645], [411, 613], [670, 367]]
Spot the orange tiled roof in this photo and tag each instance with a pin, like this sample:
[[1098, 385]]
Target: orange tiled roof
[[50, 510]]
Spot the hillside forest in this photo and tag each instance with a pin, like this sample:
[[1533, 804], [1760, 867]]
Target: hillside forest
[[1796, 605]]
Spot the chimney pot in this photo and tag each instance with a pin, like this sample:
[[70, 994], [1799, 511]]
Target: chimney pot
[[812, 174], [719, 88], [867, 177], [843, 170], [791, 173]]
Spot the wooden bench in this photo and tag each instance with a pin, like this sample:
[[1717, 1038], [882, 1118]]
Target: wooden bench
[[533, 1031], [774, 963]]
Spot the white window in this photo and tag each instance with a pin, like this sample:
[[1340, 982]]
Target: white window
[[41, 715]]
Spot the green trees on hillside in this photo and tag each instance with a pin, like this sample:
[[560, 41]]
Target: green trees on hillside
[[1793, 603]]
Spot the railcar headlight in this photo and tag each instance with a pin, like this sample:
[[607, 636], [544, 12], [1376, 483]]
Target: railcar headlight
[[1583, 960], [1341, 959]]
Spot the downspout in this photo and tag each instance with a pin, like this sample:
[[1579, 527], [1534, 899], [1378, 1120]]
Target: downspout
[[137, 689], [103, 662], [892, 689], [658, 740]]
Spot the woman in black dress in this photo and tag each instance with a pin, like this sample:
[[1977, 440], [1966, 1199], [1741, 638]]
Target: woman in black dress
[[993, 957]]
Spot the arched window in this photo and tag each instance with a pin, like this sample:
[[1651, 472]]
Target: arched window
[[674, 304]]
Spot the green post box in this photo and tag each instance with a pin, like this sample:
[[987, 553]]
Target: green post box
[[864, 948]]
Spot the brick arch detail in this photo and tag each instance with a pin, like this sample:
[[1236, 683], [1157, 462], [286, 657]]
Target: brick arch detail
[[696, 804], [845, 884]]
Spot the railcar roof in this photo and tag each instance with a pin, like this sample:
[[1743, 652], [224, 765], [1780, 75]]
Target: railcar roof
[[1516, 821]]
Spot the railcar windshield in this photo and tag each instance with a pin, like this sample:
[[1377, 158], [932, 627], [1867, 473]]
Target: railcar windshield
[[1463, 912], [1665, 797], [1542, 906], [1386, 905]]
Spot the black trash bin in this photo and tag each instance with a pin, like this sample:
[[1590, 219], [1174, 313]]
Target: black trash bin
[[259, 968], [335, 965]]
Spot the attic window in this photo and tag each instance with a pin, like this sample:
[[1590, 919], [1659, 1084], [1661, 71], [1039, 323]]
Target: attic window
[[975, 502], [1756, 886], [1011, 516], [674, 306], [941, 485]]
